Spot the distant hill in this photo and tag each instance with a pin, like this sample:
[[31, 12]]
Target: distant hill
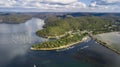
[[22, 17]]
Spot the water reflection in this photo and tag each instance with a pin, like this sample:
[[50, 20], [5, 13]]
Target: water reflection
[[98, 56], [16, 39]]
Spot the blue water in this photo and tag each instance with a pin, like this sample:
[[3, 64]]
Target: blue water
[[16, 39]]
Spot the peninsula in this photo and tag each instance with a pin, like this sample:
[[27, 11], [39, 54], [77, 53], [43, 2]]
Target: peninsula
[[63, 42], [65, 32]]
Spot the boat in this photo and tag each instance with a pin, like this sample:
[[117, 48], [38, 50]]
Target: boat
[[84, 47], [59, 50], [35, 65]]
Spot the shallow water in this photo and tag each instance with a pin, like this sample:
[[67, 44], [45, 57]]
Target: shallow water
[[16, 39], [113, 39]]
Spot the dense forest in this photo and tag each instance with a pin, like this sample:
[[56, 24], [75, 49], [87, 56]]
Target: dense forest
[[56, 26], [66, 28], [14, 18], [66, 40]]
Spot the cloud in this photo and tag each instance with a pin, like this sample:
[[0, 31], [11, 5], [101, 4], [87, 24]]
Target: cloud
[[93, 4], [59, 1], [111, 1], [58, 5], [105, 5], [107, 2]]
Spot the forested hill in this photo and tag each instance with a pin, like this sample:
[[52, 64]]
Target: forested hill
[[22, 17], [13, 18], [56, 26], [16, 18], [68, 29]]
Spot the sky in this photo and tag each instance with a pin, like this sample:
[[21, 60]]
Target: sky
[[60, 5]]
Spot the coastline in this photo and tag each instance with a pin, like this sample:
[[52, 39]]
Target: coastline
[[57, 48], [107, 45]]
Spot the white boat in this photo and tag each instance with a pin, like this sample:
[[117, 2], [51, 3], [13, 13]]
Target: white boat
[[84, 47], [65, 49], [35, 65]]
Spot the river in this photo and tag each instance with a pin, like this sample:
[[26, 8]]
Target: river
[[16, 39]]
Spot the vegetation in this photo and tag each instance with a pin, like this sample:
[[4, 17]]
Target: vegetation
[[59, 26], [63, 41], [85, 24], [14, 18]]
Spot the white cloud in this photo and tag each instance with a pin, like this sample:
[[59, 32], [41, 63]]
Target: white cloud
[[107, 2], [59, 5], [93, 4], [105, 5], [59, 1], [43, 4], [111, 1]]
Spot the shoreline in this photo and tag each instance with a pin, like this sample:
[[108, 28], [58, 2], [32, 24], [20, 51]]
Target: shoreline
[[105, 44], [56, 48]]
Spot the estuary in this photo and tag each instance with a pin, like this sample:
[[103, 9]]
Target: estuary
[[16, 40]]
